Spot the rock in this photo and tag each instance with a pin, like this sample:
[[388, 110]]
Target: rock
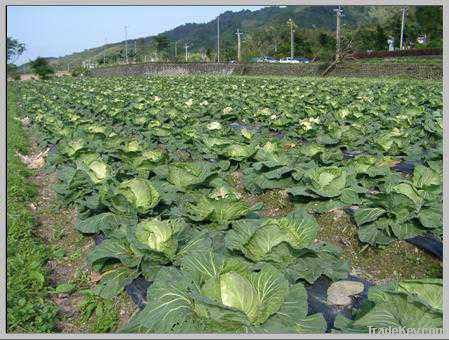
[[338, 213], [339, 293], [95, 277], [25, 121]]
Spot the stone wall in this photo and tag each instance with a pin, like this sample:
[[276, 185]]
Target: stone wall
[[386, 69]]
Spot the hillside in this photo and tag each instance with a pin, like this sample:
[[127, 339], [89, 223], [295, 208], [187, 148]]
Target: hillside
[[203, 36]]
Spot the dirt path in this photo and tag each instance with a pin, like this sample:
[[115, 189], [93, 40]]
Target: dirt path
[[79, 310]]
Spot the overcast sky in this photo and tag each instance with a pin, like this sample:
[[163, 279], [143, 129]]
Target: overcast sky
[[54, 31]]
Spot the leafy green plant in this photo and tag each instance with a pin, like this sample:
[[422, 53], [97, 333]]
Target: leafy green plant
[[172, 171], [220, 294]]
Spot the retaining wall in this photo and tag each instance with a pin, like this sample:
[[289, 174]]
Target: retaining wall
[[385, 69], [165, 69]]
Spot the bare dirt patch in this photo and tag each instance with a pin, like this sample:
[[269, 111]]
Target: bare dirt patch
[[276, 203]]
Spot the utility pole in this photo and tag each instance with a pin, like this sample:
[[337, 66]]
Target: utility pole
[[126, 44], [135, 50], [339, 13], [203, 55], [292, 26], [218, 38], [238, 33], [104, 50], [186, 46], [176, 49], [404, 12]]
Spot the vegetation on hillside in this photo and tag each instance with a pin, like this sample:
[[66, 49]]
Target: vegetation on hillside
[[266, 33]]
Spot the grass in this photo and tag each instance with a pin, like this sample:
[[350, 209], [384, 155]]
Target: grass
[[28, 305]]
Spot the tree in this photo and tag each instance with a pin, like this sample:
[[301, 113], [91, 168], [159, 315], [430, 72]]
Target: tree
[[430, 21], [162, 42], [380, 39], [326, 40], [272, 34], [209, 53], [410, 29], [42, 68], [14, 49], [12, 72]]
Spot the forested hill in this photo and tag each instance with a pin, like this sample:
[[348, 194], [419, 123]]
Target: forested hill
[[249, 21], [262, 28]]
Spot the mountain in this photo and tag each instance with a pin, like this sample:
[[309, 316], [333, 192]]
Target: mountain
[[203, 36]]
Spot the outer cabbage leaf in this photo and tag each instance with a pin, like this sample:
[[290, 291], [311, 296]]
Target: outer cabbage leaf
[[185, 175], [327, 181], [160, 235], [267, 239], [140, 193], [219, 211]]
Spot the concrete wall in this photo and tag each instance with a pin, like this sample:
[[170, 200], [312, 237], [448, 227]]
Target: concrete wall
[[385, 69]]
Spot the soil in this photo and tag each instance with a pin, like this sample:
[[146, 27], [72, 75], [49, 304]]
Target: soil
[[276, 203]]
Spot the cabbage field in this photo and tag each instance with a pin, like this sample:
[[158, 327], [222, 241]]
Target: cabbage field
[[170, 171]]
